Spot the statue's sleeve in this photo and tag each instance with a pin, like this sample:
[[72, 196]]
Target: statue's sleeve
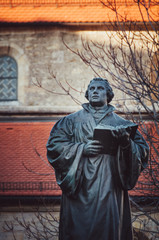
[[132, 160], [65, 156]]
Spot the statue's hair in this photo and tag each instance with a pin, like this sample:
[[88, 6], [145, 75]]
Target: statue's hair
[[110, 93]]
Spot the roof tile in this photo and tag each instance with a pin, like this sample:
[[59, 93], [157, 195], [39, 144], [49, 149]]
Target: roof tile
[[70, 13], [24, 166]]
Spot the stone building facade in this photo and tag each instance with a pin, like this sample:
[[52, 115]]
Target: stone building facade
[[40, 53], [43, 58], [32, 39]]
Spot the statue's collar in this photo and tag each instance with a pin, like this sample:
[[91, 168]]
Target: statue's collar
[[105, 109]]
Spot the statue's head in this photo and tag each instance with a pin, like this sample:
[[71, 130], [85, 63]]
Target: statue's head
[[99, 92]]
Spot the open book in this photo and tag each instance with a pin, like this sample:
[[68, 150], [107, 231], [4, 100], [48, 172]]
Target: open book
[[103, 134]]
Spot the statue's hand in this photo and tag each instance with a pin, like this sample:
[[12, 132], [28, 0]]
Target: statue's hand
[[122, 136], [92, 148]]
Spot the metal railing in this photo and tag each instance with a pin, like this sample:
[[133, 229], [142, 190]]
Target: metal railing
[[28, 186]]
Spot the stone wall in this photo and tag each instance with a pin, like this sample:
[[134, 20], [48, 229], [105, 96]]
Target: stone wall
[[144, 227], [40, 54], [146, 224], [17, 221]]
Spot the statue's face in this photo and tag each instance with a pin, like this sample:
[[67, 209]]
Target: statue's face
[[97, 94]]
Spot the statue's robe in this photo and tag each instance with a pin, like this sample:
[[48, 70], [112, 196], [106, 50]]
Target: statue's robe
[[95, 203]]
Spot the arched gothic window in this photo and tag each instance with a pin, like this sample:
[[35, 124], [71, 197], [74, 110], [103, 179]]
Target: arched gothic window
[[8, 79]]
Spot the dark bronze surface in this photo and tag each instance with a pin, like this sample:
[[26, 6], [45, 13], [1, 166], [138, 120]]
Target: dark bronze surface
[[95, 203]]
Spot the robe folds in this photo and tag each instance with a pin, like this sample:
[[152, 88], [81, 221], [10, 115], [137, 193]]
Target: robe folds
[[95, 203]]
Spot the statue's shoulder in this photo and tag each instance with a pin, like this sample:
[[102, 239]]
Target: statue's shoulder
[[76, 115], [121, 120], [117, 116], [68, 121]]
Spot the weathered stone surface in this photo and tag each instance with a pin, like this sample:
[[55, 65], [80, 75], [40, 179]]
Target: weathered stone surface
[[26, 215], [38, 53]]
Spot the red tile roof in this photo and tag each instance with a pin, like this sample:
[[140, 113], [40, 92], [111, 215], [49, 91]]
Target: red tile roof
[[148, 182], [23, 172], [69, 11]]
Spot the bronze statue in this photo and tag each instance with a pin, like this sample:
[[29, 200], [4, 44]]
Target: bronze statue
[[94, 179]]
